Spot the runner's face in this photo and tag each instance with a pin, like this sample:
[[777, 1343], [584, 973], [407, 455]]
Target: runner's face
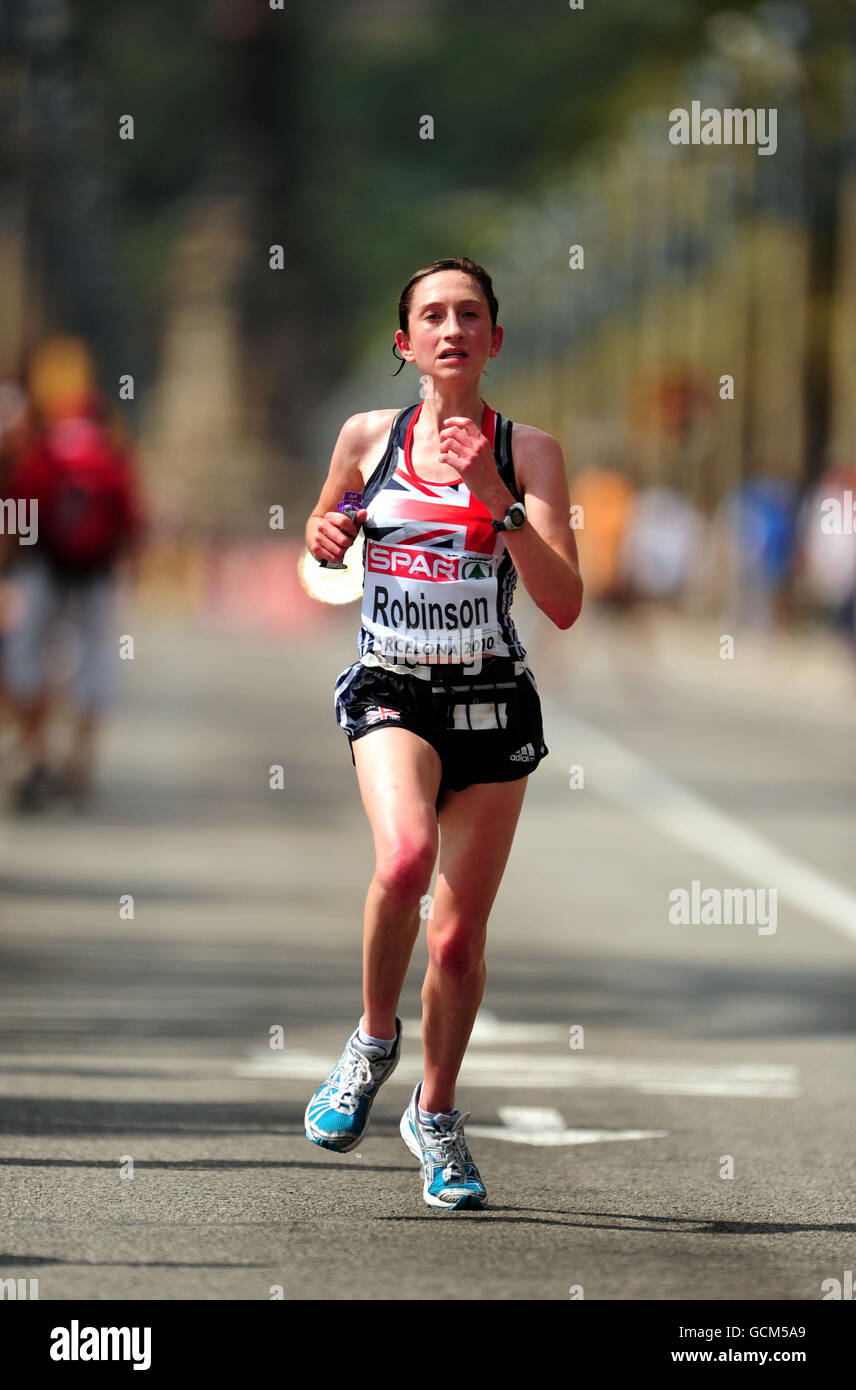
[[450, 333]]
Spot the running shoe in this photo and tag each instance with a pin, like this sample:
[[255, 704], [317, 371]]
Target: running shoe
[[337, 1116], [451, 1178]]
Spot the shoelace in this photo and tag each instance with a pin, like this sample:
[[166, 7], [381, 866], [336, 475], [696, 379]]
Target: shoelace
[[452, 1149], [355, 1073]]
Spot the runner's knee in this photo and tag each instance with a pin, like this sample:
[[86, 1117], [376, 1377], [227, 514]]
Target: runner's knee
[[457, 953], [404, 869]]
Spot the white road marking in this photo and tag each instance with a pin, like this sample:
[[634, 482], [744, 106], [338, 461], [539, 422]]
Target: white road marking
[[521, 1071], [489, 1030], [546, 1127], [552, 1138], [620, 775], [531, 1117]]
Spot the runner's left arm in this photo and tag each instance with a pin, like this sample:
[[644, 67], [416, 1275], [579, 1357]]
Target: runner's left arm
[[544, 550]]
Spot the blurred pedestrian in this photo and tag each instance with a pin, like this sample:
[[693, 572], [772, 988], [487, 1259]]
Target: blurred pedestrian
[[15, 418], [757, 522], [827, 548], [76, 494], [661, 544], [604, 499]]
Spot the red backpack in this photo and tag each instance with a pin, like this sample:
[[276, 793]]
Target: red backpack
[[83, 509]]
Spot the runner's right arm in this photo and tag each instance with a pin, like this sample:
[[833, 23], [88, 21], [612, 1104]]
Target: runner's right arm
[[329, 533]]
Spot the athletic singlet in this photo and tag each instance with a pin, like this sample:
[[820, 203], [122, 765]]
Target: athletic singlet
[[438, 581]]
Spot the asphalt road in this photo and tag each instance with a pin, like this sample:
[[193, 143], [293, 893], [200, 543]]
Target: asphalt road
[[151, 1141]]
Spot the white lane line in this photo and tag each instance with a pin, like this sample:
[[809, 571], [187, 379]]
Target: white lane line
[[488, 1030], [620, 775], [553, 1138], [531, 1117], [516, 1071], [546, 1128]]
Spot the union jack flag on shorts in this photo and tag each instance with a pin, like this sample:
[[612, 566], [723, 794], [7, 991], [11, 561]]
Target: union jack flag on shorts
[[380, 712]]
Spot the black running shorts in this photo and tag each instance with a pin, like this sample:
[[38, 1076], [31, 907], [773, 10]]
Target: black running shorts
[[486, 727]]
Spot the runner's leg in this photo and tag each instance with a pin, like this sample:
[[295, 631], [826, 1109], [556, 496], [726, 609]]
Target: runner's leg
[[399, 775], [477, 828]]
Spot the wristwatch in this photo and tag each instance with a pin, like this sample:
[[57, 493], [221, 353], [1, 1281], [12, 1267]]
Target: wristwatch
[[514, 518]]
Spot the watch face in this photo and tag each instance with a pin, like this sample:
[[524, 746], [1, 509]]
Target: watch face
[[517, 514]]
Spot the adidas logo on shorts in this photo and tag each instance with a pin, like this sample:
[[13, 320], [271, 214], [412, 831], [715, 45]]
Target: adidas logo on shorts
[[526, 754]]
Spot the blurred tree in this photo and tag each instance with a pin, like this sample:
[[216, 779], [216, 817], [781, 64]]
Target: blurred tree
[[311, 113], [829, 51]]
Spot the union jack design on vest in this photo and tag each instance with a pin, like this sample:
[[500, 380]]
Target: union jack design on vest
[[438, 579]]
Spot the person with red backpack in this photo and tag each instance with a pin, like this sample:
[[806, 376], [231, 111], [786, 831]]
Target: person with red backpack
[[74, 497]]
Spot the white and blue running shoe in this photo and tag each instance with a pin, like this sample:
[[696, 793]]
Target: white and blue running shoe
[[337, 1116], [452, 1180]]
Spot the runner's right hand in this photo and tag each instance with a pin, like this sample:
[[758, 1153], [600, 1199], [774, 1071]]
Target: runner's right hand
[[334, 534]]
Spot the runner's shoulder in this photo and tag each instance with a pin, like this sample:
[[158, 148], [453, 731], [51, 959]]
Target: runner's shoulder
[[533, 447], [366, 434], [365, 427], [533, 439]]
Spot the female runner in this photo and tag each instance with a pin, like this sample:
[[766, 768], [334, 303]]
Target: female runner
[[442, 686]]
